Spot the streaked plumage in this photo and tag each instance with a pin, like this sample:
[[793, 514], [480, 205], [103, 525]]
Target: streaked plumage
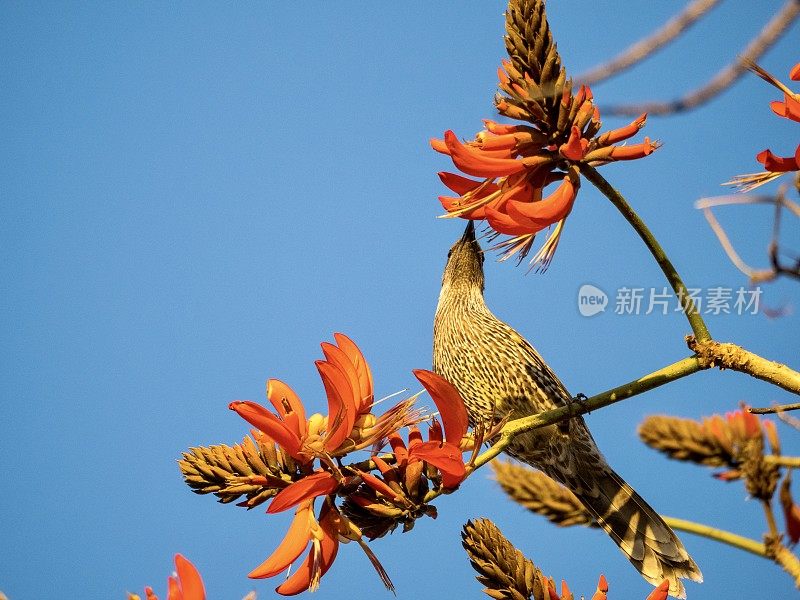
[[491, 363]]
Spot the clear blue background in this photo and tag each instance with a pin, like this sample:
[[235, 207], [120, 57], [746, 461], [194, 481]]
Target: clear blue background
[[194, 197]]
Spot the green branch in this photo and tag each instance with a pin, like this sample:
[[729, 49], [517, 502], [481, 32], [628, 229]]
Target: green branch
[[695, 320], [719, 535]]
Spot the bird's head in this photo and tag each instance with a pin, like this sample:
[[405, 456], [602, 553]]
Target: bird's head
[[464, 267]]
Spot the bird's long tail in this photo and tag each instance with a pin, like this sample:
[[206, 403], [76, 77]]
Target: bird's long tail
[[639, 531]]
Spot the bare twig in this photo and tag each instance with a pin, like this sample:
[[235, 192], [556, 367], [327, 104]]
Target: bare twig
[[770, 34], [774, 409], [789, 420], [777, 268], [646, 46]]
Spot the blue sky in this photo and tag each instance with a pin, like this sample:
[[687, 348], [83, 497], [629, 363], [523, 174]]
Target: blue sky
[[194, 197]]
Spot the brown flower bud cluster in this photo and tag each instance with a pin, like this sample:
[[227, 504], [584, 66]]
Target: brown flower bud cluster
[[735, 441], [256, 470], [540, 494], [507, 574]]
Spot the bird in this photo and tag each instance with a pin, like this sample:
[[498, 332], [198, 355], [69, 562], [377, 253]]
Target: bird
[[499, 374]]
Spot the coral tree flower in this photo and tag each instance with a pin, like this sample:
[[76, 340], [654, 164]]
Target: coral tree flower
[[349, 425], [515, 163], [185, 584], [305, 529], [788, 108], [443, 451], [733, 432], [399, 483]]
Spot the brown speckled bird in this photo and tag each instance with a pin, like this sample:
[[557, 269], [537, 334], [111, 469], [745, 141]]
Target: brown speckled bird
[[498, 373]]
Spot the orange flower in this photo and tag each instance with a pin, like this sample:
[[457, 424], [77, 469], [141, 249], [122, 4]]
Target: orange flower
[[185, 584], [775, 165], [443, 452], [305, 528], [516, 162], [349, 425], [309, 487], [733, 431]]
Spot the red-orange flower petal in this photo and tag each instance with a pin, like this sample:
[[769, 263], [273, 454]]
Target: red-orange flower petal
[[473, 162], [439, 146], [789, 108], [461, 185], [191, 584], [575, 147], [314, 566], [602, 589], [414, 437], [173, 589], [501, 222], [779, 164], [794, 74], [339, 358], [362, 368], [791, 511], [661, 591], [551, 590], [435, 432], [446, 457], [260, 417], [377, 484], [634, 151], [623, 133], [280, 394], [565, 593], [499, 128], [448, 401], [341, 404], [292, 545], [398, 448], [320, 483], [549, 210]]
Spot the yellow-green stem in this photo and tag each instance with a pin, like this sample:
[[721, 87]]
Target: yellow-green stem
[[770, 516], [719, 535], [695, 320], [783, 461]]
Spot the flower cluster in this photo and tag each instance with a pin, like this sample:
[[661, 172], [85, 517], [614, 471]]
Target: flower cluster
[[740, 435], [398, 494], [311, 452], [184, 584], [788, 108], [515, 163], [506, 573]]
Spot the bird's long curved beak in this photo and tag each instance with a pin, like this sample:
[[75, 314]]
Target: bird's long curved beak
[[469, 232]]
